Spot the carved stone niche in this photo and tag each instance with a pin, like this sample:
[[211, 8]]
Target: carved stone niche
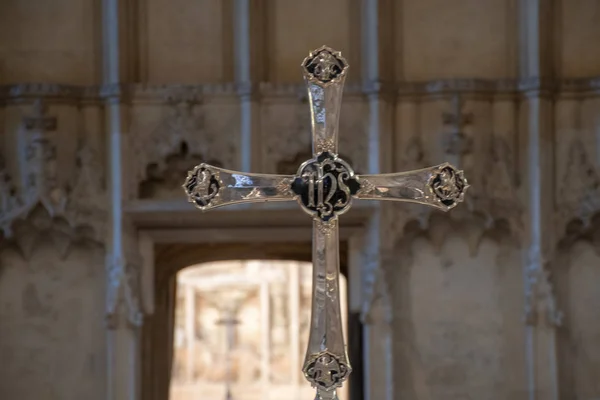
[[49, 183], [413, 221], [578, 195], [164, 151], [581, 230], [163, 179], [492, 208]]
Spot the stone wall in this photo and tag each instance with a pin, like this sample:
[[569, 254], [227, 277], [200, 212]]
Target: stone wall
[[53, 343], [494, 300]]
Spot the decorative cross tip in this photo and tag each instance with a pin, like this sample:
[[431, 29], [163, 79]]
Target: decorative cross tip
[[202, 186], [324, 66], [448, 186], [326, 371]]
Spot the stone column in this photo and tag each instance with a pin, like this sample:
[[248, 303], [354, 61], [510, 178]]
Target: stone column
[[248, 112], [190, 331], [379, 133], [265, 357], [535, 63], [123, 266]]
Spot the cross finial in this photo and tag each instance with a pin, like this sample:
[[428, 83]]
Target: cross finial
[[325, 66]]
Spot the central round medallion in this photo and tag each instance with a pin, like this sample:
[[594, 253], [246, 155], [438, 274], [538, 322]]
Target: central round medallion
[[325, 186]]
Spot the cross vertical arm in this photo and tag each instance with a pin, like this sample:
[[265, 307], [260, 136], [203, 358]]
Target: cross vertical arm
[[324, 73], [324, 186], [326, 363]]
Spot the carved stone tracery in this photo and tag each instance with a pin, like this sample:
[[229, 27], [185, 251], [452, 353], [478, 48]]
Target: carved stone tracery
[[48, 197], [123, 302], [177, 143], [578, 196], [501, 201], [540, 300]]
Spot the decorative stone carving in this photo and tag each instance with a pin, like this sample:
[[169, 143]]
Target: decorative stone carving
[[150, 92], [123, 292], [540, 300], [501, 199], [88, 197], [38, 168], [578, 194], [456, 140], [180, 140], [43, 200], [49, 90]]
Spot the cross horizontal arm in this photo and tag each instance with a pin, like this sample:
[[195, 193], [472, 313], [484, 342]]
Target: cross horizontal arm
[[442, 186], [210, 187]]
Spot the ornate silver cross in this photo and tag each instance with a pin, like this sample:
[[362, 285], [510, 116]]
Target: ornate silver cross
[[324, 187]]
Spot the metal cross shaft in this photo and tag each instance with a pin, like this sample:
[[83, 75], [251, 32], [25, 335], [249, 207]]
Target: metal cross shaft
[[325, 187]]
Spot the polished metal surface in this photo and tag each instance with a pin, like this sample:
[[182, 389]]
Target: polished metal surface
[[211, 187], [326, 363], [441, 186], [325, 72], [324, 187]]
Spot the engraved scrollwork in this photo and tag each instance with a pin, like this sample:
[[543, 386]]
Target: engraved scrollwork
[[366, 187], [256, 193], [448, 185], [284, 187], [202, 186], [326, 371], [325, 186], [325, 145], [325, 228]]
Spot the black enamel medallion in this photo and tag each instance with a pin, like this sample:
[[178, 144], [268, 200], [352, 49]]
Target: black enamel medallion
[[325, 186]]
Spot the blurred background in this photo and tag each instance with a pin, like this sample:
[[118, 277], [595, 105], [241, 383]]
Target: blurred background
[[113, 286]]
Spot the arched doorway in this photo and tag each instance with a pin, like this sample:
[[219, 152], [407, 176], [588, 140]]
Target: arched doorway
[[171, 258], [241, 328]]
